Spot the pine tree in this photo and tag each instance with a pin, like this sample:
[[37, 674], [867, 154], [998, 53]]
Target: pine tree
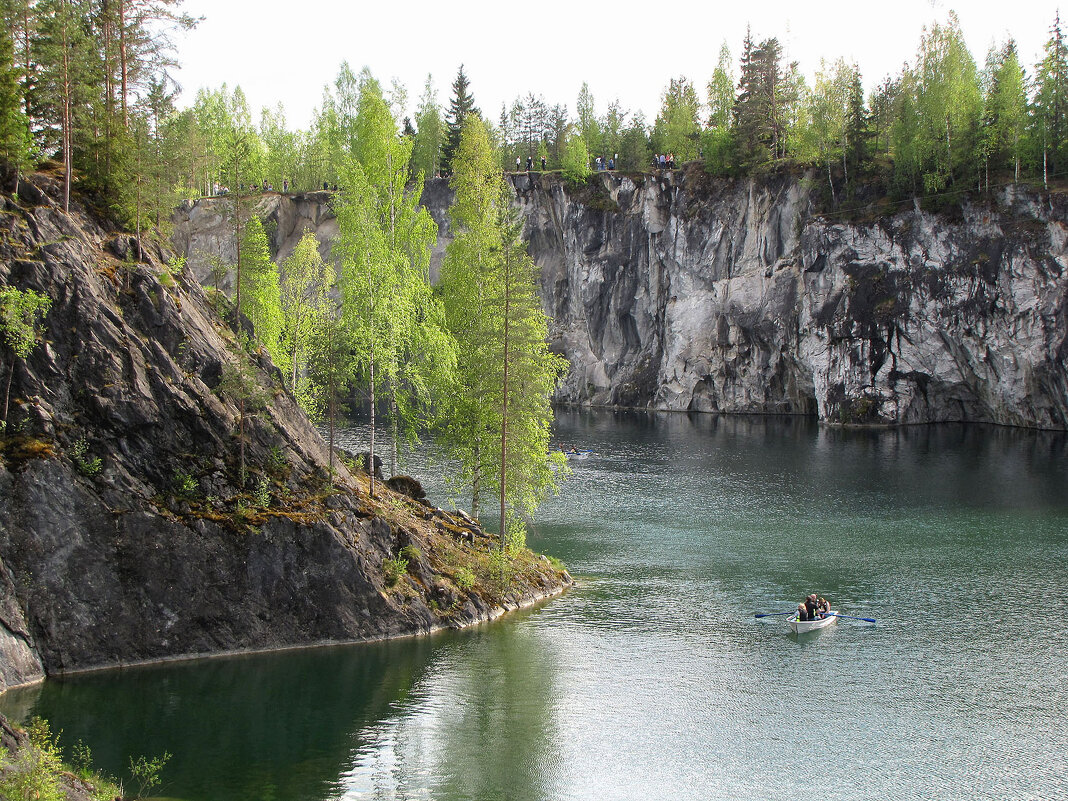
[[461, 108]]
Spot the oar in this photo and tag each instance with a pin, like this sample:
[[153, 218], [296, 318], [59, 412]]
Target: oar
[[770, 614], [849, 617]]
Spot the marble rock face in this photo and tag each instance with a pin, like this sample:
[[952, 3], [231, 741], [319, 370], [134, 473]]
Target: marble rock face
[[680, 292]]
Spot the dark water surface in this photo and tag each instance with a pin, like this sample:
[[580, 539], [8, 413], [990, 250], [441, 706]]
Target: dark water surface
[[652, 679]]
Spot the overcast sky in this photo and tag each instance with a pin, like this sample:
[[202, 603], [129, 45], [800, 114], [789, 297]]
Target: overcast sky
[[286, 51]]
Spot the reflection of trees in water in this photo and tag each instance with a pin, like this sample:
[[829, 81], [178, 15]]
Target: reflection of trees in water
[[273, 726], [481, 725]]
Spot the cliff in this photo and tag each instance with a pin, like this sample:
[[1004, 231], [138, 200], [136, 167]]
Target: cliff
[[127, 531], [681, 292]]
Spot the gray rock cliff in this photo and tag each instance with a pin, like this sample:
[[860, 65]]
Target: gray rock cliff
[[681, 292]]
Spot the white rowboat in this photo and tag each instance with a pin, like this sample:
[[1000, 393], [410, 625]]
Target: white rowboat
[[801, 626]]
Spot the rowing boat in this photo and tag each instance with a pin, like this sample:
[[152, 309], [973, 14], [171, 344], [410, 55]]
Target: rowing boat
[[801, 626]]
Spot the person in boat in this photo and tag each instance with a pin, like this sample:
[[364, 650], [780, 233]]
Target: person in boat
[[823, 606], [811, 607], [802, 612]]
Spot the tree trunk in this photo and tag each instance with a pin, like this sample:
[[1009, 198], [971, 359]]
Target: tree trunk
[[66, 112], [7, 392], [504, 401], [371, 452], [122, 62]]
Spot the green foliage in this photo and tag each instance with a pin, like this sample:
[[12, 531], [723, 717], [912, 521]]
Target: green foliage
[[21, 315], [576, 163], [461, 110], [499, 420], [262, 495], [35, 773], [305, 281], [464, 578], [393, 568], [261, 292], [146, 772], [384, 241], [87, 466], [185, 485], [410, 553], [678, 126], [430, 133]]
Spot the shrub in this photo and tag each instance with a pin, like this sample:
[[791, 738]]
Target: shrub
[[184, 484], [146, 772], [87, 466], [464, 579], [411, 553], [394, 568], [35, 773]]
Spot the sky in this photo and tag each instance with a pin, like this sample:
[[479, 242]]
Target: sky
[[285, 52]]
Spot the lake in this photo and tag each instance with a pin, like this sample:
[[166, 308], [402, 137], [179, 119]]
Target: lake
[[652, 679]]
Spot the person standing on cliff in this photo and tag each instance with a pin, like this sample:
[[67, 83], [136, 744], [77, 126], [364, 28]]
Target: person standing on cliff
[[285, 186], [543, 163], [530, 163], [517, 163]]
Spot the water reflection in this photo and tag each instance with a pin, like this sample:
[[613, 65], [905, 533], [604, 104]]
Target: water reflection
[[268, 726], [653, 679]]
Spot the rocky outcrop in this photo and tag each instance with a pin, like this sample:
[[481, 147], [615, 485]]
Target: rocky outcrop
[[678, 291], [129, 531], [675, 291]]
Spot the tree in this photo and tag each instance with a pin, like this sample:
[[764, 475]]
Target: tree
[[586, 120], [62, 50], [1004, 119], [21, 315], [461, 107], [760, 109], [678, 125], [948, 104], [304, 284], [430, 129], [260, 292], [576, 163], [499, 424], [15, 141], [829, 112], [721, 91], [1050, 123], [384, 240]]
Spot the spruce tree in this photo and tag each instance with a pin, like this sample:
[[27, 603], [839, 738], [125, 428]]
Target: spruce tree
[[461, 109]]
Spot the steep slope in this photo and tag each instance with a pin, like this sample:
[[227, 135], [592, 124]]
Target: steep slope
[[126, 532]]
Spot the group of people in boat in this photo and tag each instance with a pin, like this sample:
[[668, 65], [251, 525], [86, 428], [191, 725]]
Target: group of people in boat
[[813, 608]]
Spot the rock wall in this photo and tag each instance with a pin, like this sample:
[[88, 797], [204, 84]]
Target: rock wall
[[129, 531], [677, 291]]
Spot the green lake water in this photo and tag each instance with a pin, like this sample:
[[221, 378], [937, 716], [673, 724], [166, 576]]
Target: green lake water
[[652, 679]]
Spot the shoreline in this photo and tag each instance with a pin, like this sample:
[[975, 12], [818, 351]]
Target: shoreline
[[526, 600]]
